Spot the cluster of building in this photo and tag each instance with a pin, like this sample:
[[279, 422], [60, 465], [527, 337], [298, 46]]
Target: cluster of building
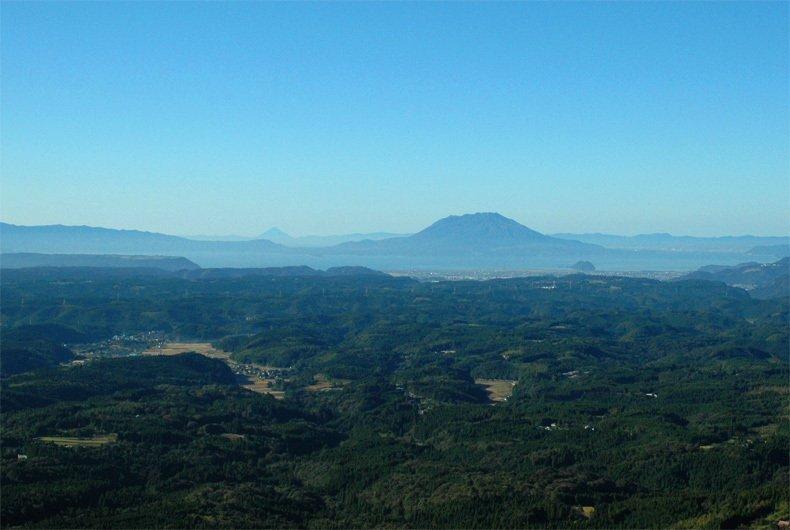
[[256, 370], [122, 345]]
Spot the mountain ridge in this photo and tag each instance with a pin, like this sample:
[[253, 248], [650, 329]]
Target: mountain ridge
[[83, 239], [667, 241], [481, 241], [283, 238], [23, 260]]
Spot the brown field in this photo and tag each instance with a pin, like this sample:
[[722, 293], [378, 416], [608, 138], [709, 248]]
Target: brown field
[[498, 389], [322, 383], [175, 348], [73, 441], [261, 386]]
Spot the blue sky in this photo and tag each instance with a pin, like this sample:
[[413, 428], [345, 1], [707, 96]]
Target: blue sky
[[218, 118]]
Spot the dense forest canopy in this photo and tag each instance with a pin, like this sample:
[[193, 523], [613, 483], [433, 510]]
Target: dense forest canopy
[[618, 402]]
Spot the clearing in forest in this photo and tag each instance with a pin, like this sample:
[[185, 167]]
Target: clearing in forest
[[75, 441], [585, 511], [250, 381], [322, 383], [498, 389], [261, 386]]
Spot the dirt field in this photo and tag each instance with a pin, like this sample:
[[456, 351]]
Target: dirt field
[[71, 441], [175, 348], [498, 389]]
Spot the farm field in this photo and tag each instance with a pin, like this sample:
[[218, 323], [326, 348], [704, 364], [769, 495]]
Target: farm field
[[498, 389], [322, 383], [74, 441], [176, 348], [261, 386]]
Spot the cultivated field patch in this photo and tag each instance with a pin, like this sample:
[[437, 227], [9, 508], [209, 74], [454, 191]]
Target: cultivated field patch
[[75, 441], [322, 383], [177, 348], [261, 386], [498, 389]]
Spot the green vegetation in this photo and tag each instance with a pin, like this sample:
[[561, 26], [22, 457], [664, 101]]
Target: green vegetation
[[634, 403], [26, 348]]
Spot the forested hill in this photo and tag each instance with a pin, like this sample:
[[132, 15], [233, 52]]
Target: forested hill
[[762, 280], [544, 402]]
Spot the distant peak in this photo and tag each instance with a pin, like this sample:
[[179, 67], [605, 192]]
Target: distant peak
[[479, 219], [274, 232], [486, 227]]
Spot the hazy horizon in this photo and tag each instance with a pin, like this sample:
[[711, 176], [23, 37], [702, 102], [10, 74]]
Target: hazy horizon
[[325, 119], [260, 233]]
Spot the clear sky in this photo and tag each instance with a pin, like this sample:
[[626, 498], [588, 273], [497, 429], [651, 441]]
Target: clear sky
[[220, 118]]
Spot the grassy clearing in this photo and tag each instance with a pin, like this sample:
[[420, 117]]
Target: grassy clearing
[[498, 389], [74, 441]]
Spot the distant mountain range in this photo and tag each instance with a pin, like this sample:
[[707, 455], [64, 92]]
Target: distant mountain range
[[483, 235], [472, 241], [670, 243], [777, 251], [762, 280], [93, 240], [21, 260], [278, 236]]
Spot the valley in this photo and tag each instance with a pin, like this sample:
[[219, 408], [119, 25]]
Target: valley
[[256, 377]]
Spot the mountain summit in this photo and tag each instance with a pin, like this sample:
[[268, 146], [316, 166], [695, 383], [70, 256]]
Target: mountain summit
[[479, 229], [273, 234], [483, 234]]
